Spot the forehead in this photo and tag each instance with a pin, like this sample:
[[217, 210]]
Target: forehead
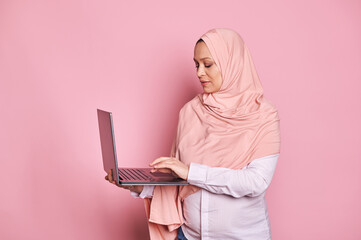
[[201, 51]]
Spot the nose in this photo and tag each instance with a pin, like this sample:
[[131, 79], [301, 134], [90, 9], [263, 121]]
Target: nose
[[200, 71]]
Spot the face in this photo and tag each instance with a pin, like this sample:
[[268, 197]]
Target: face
[[207, 71]]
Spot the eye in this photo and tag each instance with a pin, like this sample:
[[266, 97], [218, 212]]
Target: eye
[[207, 66]]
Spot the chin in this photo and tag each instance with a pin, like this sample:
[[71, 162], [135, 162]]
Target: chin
[[205, 91], [208, 91]]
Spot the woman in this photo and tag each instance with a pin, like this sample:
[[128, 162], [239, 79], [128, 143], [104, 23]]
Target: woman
[[227, 145]]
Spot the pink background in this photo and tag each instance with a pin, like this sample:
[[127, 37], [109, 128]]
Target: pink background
[[60, 60]]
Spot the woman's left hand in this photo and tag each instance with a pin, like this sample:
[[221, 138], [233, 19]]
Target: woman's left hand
[[165, 164]]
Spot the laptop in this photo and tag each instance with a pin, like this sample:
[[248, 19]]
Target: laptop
[[127, 176]]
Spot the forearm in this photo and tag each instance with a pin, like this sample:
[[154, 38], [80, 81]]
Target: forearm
[[251, 181]]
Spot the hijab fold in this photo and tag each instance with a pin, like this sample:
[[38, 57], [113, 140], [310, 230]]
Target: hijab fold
[[228, 128]]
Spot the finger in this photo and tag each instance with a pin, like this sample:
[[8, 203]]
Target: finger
[[159, 160], [165, 164], [110, 175]]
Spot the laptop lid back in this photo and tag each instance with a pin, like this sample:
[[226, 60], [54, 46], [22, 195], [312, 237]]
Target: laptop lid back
[[107, 142]]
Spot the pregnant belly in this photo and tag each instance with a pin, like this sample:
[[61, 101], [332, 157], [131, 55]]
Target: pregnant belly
[[224, 214]]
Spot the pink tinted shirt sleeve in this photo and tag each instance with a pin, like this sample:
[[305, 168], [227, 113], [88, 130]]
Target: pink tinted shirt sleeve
[[146, 193], [252, 180]]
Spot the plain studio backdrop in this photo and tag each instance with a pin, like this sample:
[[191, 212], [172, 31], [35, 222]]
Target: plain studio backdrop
[[61, 60]]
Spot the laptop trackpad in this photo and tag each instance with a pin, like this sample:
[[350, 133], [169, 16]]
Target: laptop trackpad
[[160, 174]]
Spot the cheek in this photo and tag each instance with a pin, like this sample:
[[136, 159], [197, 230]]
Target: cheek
[[217, 78], [216, 75]]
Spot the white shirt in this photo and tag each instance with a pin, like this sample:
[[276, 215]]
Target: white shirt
[[231, 203]]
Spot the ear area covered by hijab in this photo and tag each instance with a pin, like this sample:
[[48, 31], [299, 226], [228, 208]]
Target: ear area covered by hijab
[[228, 128], [241, 85]]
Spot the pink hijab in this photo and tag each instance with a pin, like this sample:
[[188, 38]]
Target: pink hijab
[[228, 128]]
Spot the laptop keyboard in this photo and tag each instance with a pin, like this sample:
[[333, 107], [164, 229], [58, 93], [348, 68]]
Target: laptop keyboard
[[133, 174]]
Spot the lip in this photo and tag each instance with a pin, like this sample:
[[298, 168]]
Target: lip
[[205, 82]]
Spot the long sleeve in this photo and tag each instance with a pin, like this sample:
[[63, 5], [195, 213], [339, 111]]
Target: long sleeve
[[146, 193], [252, 180]]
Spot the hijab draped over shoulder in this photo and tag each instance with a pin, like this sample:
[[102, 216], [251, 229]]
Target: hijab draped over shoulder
[[228, 128]]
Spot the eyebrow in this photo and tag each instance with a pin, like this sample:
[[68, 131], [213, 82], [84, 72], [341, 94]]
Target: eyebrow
[[201, 58]]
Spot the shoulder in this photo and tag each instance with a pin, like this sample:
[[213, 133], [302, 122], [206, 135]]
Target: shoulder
[[191, 105]]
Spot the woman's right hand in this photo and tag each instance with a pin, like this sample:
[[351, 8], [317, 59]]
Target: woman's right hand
[[133, 188]]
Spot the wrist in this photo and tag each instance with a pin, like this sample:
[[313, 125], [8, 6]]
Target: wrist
[[187, 173], [138, 189]]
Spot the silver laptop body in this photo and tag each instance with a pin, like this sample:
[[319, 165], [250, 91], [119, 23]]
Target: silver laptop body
[[127, 176]]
